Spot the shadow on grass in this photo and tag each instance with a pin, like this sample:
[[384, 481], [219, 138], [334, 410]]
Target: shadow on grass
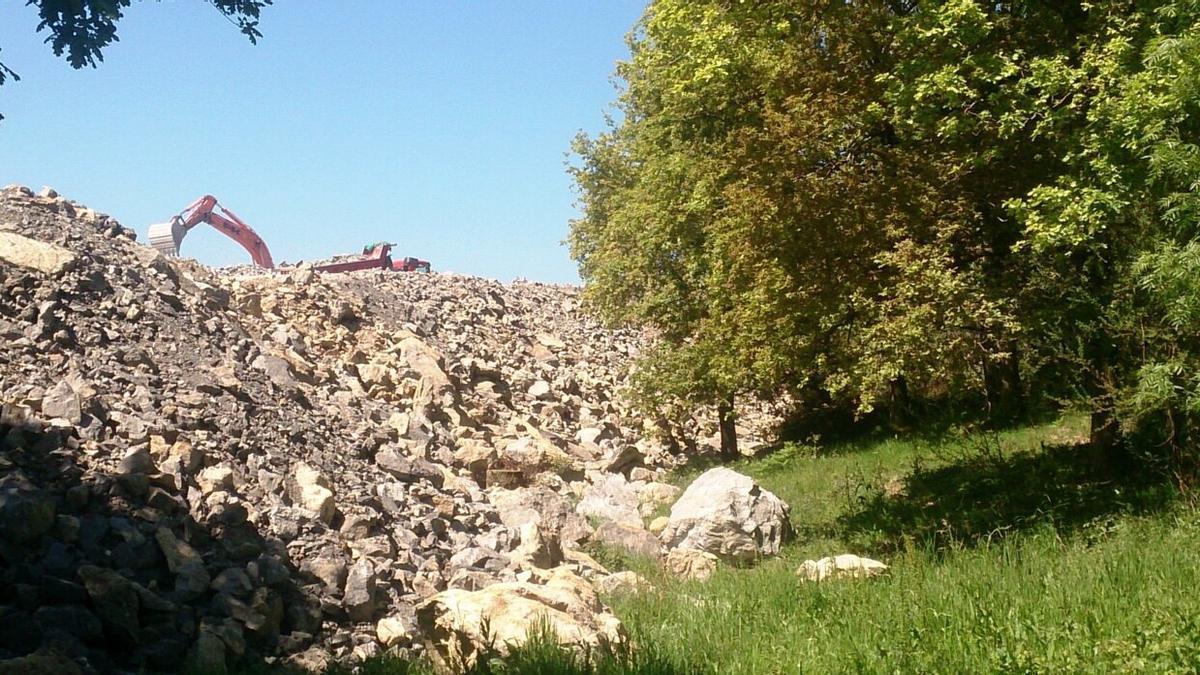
[[935, 423], [987, 495]]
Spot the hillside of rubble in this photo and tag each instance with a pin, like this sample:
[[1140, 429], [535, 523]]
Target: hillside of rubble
[[208, 467]]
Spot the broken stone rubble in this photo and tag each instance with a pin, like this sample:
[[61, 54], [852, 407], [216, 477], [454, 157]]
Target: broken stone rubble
[[212, 464]]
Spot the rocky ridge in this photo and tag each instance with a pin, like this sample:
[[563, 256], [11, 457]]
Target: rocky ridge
[[200, 466]]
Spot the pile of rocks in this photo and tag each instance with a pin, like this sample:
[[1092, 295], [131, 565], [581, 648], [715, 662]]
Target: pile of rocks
[[199, 466]]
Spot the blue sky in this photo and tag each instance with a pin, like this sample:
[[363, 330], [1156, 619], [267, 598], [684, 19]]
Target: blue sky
[[441, 126]]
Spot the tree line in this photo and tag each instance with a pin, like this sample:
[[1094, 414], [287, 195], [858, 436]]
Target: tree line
[[884, 207]]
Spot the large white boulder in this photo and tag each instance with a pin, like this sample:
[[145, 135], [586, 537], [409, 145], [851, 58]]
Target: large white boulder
[[727, 514]]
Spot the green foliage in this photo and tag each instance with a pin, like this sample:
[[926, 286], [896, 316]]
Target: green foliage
[[881, 201], [1115, 229]]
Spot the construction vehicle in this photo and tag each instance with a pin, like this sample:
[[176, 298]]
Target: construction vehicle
[[403, 265], [166, 238], [376, 256], [411, 265]]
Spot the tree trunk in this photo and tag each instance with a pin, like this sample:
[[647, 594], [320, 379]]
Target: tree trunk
[[900, 415], [725, 422], [1002, 387], [1103, 441]]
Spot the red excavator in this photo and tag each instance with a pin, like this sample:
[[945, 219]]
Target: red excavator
[[166, 237]]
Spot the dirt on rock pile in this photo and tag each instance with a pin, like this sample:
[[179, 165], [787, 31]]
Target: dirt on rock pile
[[201, 467]]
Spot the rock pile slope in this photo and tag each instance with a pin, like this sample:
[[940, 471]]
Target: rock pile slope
[[199, 466]]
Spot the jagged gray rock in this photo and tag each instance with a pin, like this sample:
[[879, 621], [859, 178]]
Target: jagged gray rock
[[629, 538], [728, 515]]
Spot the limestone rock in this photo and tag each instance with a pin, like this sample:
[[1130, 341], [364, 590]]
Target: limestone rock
[[191, 577], [26, 512], [652, 496], [657, 525], [629, 538], [624, 460], [687, 563], [208, 653], [74, 620], [44, 662], [454, 621], [137, 460], [623, 583], [329, 567], [398, 628], [62, 401], [426, 362], [359, 595], [177, 422], [841, 566], [116, 601], [312, 493], [611, 497], [536, 453], [540, 390], [215, 478], [535, 549], [33, 254], [550, 510], [408, 469], [727, 514]]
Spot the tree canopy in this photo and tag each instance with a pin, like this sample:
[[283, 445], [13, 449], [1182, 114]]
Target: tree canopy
[[877, 204]]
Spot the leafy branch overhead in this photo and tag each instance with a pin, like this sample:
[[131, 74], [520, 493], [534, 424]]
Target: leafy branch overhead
[[80, 30]]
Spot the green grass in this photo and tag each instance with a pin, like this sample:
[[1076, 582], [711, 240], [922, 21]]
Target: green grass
[[1034, 604], [1009, 552]]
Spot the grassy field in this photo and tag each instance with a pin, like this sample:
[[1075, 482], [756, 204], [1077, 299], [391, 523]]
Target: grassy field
[[1008, 553]]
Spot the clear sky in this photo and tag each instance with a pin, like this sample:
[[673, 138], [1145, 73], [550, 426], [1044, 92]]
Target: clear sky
[[440, 126]]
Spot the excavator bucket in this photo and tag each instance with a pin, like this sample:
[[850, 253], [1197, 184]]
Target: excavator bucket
[[166, 237]]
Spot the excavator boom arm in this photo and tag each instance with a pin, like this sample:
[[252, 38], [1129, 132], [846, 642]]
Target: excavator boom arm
[[166, 237], [236, 229]]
